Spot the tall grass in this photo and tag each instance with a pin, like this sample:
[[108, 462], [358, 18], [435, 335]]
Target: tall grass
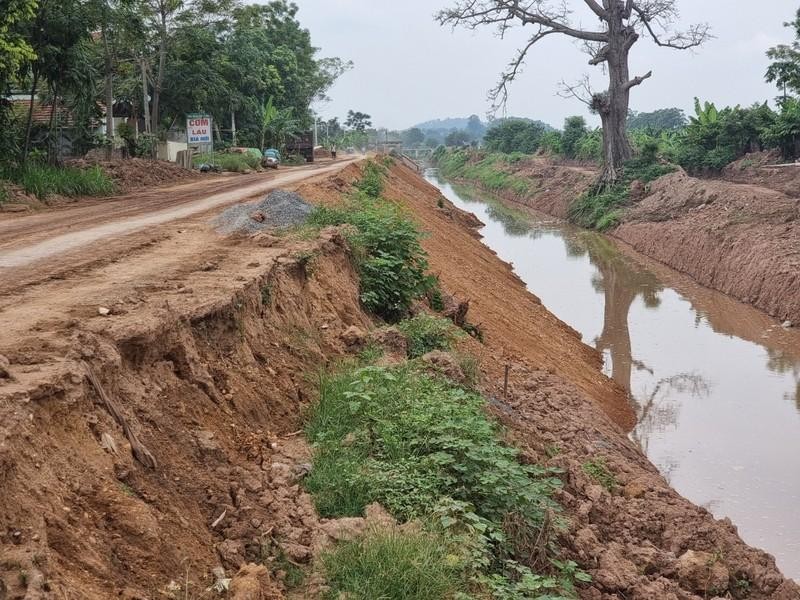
[[487, 170], [389, 564], [233, 162], [45, 180]]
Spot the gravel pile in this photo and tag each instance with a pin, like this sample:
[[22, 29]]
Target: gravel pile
[[280, 209]]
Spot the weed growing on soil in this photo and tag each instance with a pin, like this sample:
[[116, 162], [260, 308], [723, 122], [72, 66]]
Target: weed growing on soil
[[391, 263], [3, 193], [425, 449], [416, 566], [597, 470], [371, 182], [45, 180], [601, 208], [486, 170], [234, 162], [426, 333], [470, 367]]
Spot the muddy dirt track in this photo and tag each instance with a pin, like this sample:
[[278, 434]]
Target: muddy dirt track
[[206, 353]]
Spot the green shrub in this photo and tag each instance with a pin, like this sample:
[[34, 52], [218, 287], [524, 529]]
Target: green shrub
[[391, 565], [415, 439], [391, 263], [45, 180], [601, 208], [426, 333], [234, 162], [371, 182], [425, 448]]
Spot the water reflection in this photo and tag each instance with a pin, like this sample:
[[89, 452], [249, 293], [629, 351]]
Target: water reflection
[[715, 383]]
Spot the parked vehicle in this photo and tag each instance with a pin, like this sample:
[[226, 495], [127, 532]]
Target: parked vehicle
[[302, 144], [271, 158]]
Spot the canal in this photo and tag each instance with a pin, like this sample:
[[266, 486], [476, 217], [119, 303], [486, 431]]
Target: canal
[[715, 384]]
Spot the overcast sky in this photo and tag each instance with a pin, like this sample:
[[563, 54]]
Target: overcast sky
[[409, 69]]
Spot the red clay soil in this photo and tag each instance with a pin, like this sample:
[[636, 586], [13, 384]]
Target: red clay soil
[[741, 238], [159, 446], [137, 173]]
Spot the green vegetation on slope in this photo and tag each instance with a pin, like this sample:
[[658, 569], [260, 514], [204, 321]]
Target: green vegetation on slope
[[391, 263], [229, 161], [601, 207], [425, 449], [44, 180], [426, 333], [484, 169]]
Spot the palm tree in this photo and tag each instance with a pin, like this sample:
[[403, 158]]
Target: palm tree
[[276, 123]]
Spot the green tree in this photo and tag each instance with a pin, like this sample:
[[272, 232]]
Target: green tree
[[15, 49], [658, 120], [784, 70], [459, 137], [514, 135], [358, 121], [618, 26], [574, 130], [413, 137]]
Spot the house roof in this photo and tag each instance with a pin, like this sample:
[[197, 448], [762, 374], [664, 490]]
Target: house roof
[[41, 111]]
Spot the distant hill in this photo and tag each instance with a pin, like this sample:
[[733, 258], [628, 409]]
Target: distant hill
[[447, 124]]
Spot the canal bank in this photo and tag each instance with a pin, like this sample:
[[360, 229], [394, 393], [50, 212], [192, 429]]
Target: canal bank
[[714, 383]]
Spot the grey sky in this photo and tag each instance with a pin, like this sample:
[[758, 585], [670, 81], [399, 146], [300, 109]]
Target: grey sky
[[409, 69]]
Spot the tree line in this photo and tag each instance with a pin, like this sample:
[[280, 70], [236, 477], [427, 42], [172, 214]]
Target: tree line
[[253, 67], [703, 142]]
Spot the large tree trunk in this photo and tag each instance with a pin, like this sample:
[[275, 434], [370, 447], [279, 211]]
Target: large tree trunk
[[613, 105]]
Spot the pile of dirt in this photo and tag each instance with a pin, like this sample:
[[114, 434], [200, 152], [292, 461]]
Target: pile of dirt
[[760, 168], [279, 210], [137, 173]]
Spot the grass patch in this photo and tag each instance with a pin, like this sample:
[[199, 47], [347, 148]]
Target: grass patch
[[234, 162], [426, 333], [391, 263], [393, 565], [371, 182], [425, 449], [601, 209], [597, 470], [45, 180], [3, 193], [488, 170]]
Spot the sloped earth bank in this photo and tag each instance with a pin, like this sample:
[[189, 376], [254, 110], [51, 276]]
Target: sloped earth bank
[[742, 239], [210, 365]]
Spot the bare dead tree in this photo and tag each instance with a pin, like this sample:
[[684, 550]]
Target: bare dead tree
[[621, 24]]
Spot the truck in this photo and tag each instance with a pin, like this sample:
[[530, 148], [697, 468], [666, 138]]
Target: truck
[[302, 143]]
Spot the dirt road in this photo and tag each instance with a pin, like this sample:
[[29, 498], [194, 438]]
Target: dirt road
[[26, 239]]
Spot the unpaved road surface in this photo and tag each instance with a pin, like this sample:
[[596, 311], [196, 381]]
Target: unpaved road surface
[[26, 239]]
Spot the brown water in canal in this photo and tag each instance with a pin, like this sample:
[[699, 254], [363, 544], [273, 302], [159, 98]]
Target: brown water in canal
[[715, 383]]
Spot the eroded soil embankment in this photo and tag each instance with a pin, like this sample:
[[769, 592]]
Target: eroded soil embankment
[[211, 370], [741, 239]]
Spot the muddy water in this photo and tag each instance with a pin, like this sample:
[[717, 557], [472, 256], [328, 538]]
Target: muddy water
[[715, 383]]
